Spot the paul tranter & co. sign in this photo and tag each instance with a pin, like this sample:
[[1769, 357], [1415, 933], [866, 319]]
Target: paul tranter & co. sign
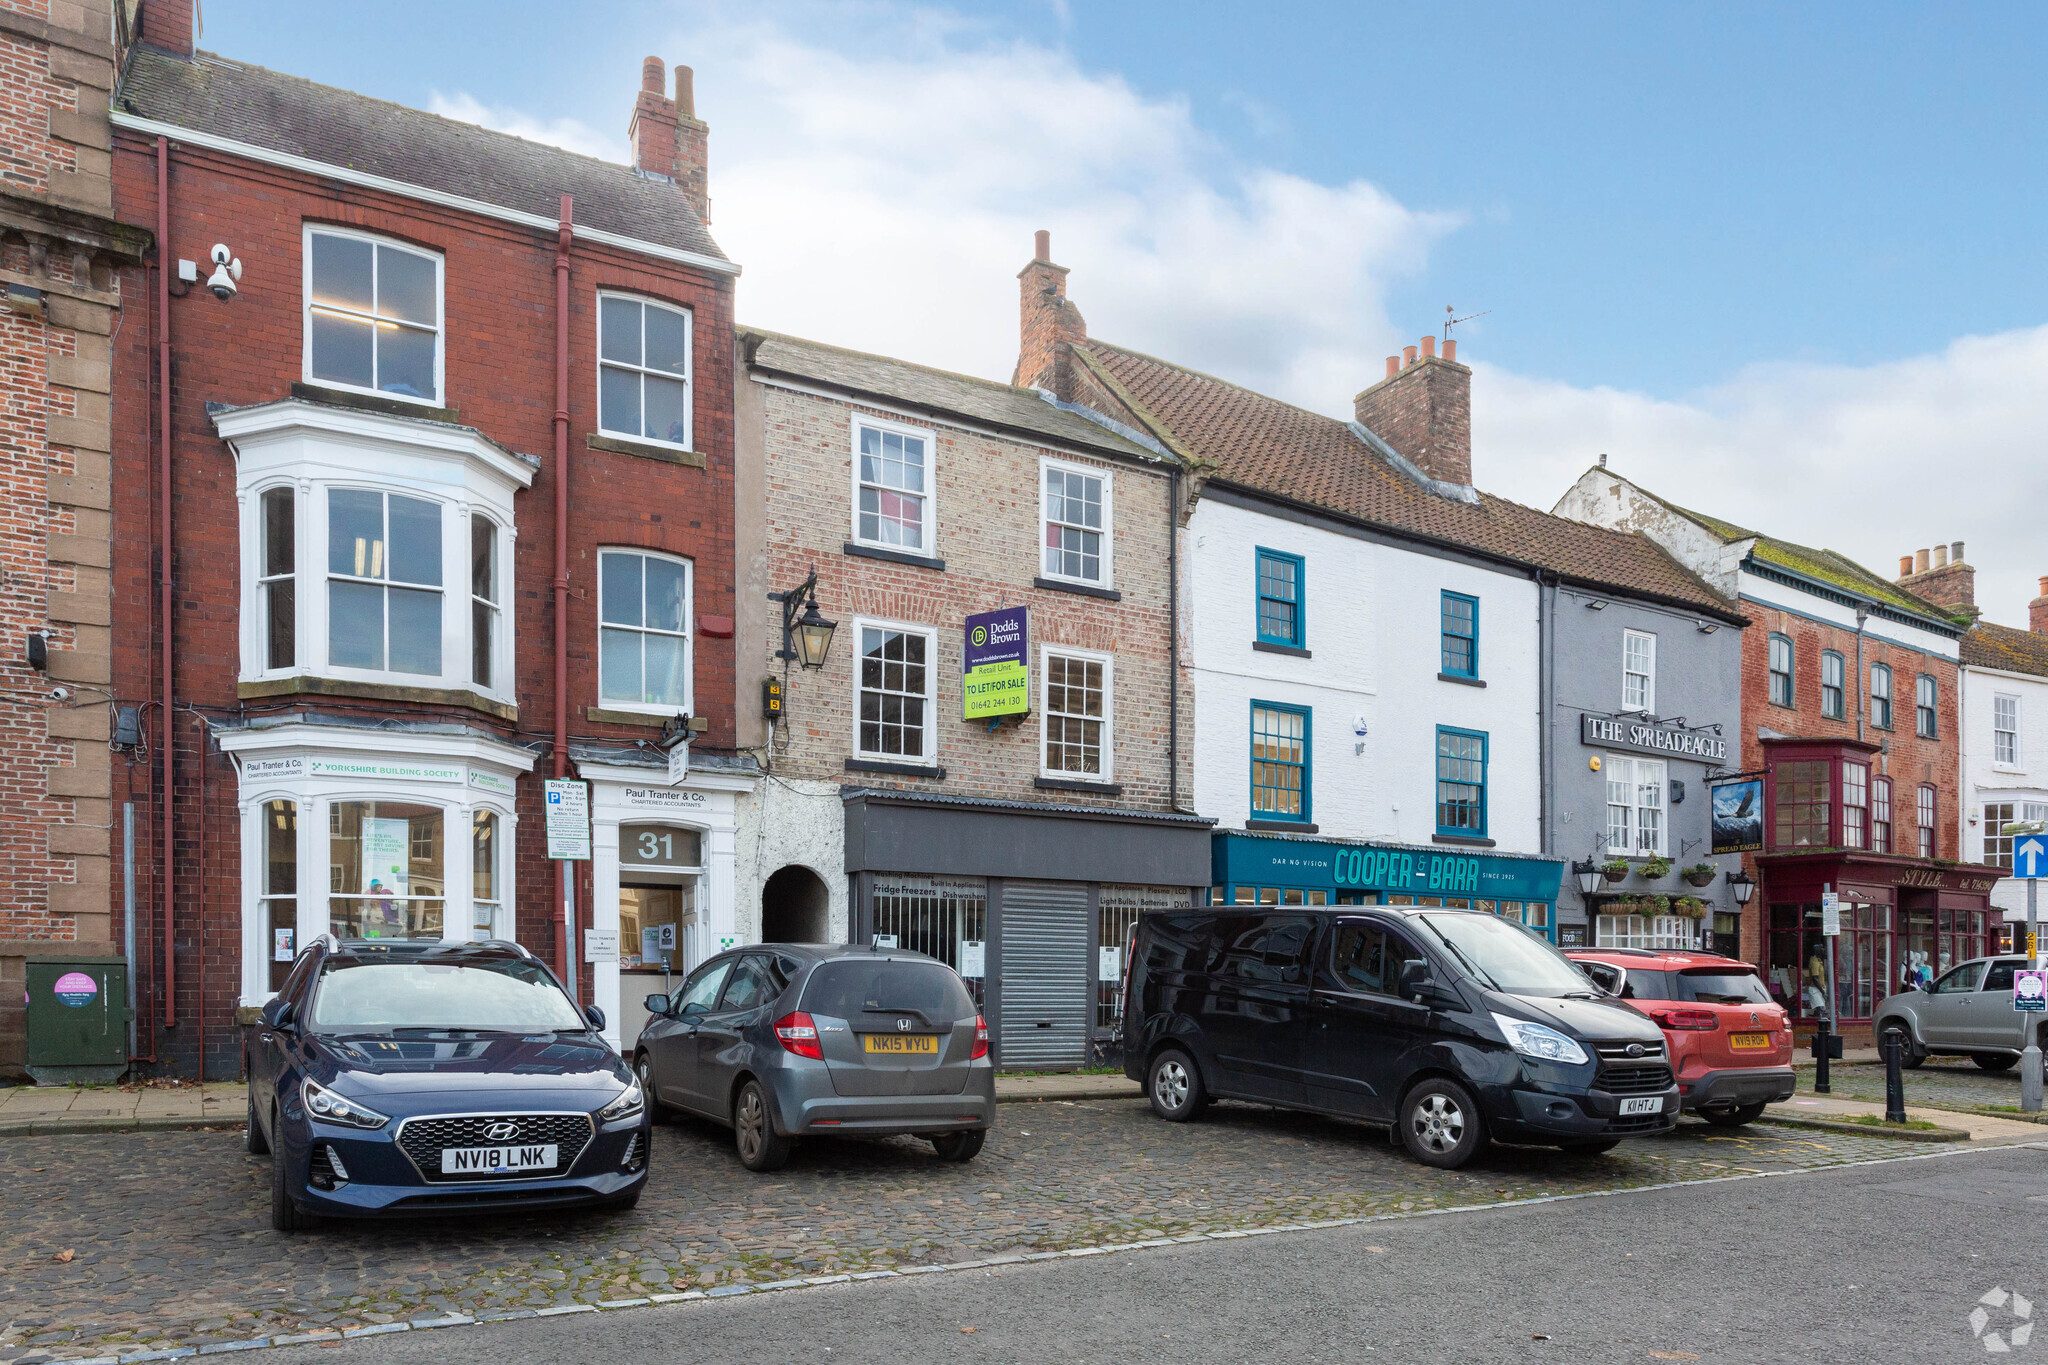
[[1616, 732]]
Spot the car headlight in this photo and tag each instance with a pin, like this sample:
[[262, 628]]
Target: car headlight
[[628, 1105], [328, 1107], [1539, 1040]]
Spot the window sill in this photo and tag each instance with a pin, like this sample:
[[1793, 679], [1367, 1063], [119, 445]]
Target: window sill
[[646, 450], [604, 716], [1084, 589], [1460, 681], [1282, 826], [306, 685], [876, 765], [895, 556], [1068, 784], [370, 402], [1268, 647], [1462, 840]]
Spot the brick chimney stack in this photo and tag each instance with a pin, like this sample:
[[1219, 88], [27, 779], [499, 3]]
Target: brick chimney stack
[[2037, 611], [168, 24], [1423, 409], [1941, 576], [1049, 324], [667, 137]]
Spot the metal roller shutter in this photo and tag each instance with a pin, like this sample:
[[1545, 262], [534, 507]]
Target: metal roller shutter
[[1044, 974]]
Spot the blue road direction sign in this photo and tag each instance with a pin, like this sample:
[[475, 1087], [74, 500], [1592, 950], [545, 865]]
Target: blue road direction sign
[[2030, 991], [2030, 856]]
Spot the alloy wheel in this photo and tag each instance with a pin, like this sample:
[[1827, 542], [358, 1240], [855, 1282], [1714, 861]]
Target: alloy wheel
[[1439, 1122], [1170, 1084], [752, 1119]]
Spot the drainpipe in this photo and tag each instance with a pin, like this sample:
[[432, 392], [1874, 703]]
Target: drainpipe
[[1862, 683], [163, 381], [563, 884], [1546, 657], [1173, 638]]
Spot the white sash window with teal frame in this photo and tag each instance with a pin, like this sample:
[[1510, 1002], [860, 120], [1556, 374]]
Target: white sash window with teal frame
[[1461, 783], [1460, 635], [1280, 599], [1280, 762]]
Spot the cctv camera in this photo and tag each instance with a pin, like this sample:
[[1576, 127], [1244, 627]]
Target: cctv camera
[[226, 270], [60, 694]]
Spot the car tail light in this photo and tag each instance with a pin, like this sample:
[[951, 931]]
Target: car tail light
[[799, 1034], [980, 1038], [1686, 1021]]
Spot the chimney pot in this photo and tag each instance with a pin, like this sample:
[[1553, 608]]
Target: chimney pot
[[1941, 556], [1955, 553], [1393, 366], [1905, 566], [1429, 348], [2044, 587], [654, 76], [2037, 610], [1407, 356], [1921, 561], [1451, 349], [686, 92], [1424, 412], [1041, 245]]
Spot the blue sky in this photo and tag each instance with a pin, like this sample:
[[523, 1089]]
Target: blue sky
[[1780, 261]]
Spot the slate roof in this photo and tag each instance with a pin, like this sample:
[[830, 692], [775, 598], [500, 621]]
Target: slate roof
[[1264, 445], [279, 113], [1004, 406], [2001, 647]]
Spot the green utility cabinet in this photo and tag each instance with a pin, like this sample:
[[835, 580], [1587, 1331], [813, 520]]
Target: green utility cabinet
[[77, 1020]]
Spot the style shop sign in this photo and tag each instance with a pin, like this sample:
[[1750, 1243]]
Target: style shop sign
[[1617, 732]]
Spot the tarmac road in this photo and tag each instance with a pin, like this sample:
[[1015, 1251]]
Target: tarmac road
[[1878, 1262]]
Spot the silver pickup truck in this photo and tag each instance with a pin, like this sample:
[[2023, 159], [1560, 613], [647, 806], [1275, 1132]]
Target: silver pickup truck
[[1966, 1011]]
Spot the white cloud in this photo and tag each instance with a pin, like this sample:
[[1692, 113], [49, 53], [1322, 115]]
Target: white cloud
[[561, 132], [878, 171]]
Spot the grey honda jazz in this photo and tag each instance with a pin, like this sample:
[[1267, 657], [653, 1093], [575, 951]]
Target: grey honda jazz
[[789, 1040]]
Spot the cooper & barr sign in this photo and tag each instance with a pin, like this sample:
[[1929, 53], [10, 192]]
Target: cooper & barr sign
[[1618, 732]]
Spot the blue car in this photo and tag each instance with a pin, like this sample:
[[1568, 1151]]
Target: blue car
[[395, 1078]]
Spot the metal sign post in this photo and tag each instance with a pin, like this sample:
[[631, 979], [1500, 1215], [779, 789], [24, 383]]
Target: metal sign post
[[2030, 860], [1826, 1046]]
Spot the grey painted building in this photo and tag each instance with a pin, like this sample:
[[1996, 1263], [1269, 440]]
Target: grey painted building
[[1646, 700]]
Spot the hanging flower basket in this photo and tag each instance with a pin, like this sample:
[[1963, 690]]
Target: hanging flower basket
[[1700, 874], [1615, 869], [1691, 907], [1656, 869]]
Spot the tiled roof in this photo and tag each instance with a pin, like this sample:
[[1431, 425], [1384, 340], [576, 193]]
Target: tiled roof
[[982, 400], [288, 114], [1262, 444], [2002, 647]]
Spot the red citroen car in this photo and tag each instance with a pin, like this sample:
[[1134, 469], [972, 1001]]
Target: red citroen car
[[1730, 1043]]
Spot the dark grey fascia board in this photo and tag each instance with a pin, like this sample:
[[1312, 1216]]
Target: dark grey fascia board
[[1844, 597]]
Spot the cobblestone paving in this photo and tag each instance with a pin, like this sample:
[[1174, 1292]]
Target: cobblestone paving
[[1942, 1083], [170, 1245]]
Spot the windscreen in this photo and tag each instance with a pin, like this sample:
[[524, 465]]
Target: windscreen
[[507, 997], [1720, 986], [1506, 956], [851, 988]]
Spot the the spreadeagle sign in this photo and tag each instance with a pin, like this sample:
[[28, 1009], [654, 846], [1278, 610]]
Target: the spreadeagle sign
[[1619, 732]]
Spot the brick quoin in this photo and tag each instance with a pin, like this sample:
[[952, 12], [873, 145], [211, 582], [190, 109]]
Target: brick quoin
[[500, 375]]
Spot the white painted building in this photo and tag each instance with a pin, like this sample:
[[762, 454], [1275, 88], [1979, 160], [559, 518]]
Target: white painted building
[[2005, 745]]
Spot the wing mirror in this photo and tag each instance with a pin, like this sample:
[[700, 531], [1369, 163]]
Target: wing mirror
[[1415, 980], [656, 1004], [595, 1016], [278, 1013]]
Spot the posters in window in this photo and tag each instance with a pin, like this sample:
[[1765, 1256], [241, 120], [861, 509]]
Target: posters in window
[[387, 876], [1739, 816]]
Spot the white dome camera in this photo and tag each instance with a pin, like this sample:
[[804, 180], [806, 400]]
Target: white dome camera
[[226, 270]]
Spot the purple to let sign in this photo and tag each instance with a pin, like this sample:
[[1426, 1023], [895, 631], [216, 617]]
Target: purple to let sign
[[996, 637]]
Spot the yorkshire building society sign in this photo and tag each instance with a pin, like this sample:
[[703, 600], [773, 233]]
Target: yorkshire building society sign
[[997, 683], [1618, 732]]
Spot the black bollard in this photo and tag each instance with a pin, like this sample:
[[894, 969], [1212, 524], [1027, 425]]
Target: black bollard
[[1894, 1077], [1823, 1039]]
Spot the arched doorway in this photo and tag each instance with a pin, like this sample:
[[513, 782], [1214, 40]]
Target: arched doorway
[[796, 907]]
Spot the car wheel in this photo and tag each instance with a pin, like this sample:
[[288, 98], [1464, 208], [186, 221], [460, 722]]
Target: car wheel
[[962, 1146], [285, 1215], [256, 1142], [1440, 1124], [1734, 1116], [1994, 1061], [1911, 1054], [1590, 1146], [643, 1069], [1175, 1086], [753, 1129]]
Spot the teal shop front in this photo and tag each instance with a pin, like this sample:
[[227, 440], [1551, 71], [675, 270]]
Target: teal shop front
[[1292, 869]]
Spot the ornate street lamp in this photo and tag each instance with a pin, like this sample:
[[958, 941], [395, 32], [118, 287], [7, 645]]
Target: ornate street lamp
[[806, 639], [1590, 877], [1742, 885]]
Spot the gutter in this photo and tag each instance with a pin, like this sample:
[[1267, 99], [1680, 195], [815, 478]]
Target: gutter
[[565, 930]]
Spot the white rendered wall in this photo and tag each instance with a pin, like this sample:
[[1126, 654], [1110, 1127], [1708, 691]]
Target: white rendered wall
[[1987, 781]]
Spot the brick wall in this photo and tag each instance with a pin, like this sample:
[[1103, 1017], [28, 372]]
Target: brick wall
[[500, 378], [987, 494]]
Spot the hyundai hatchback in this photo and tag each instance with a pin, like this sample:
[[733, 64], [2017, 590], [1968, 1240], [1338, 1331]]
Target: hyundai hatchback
[[790, 1040], [1730, 1043], [391, 1077]]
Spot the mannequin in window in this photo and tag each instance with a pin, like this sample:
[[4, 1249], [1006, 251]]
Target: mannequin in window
[[1815, 993]]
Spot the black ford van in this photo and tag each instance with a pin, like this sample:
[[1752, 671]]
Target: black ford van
[[1454, 1026]]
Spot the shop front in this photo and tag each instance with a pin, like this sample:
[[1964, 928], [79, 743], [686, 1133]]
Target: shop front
[[1031, 903], [370, 832], [1293, 869]]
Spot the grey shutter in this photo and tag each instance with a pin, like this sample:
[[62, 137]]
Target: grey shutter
[[1045, 982]]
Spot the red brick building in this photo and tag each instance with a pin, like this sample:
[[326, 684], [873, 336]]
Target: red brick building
[[423, 467], [61, 297], [1849, 780]]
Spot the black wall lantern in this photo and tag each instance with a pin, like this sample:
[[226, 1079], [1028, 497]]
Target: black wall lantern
[[1742, 885], [1590, 876], [807, 638]]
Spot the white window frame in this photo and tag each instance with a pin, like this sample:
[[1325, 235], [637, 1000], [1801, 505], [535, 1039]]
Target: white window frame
[[929, 758], [1108, 662], [454, 634], [307, 233], [1107, 558], [1638, 771], [1856, 779], [2011, 758], [1648, 702], [1633, 931], [930, 528], [689, 375], [689, 634]]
